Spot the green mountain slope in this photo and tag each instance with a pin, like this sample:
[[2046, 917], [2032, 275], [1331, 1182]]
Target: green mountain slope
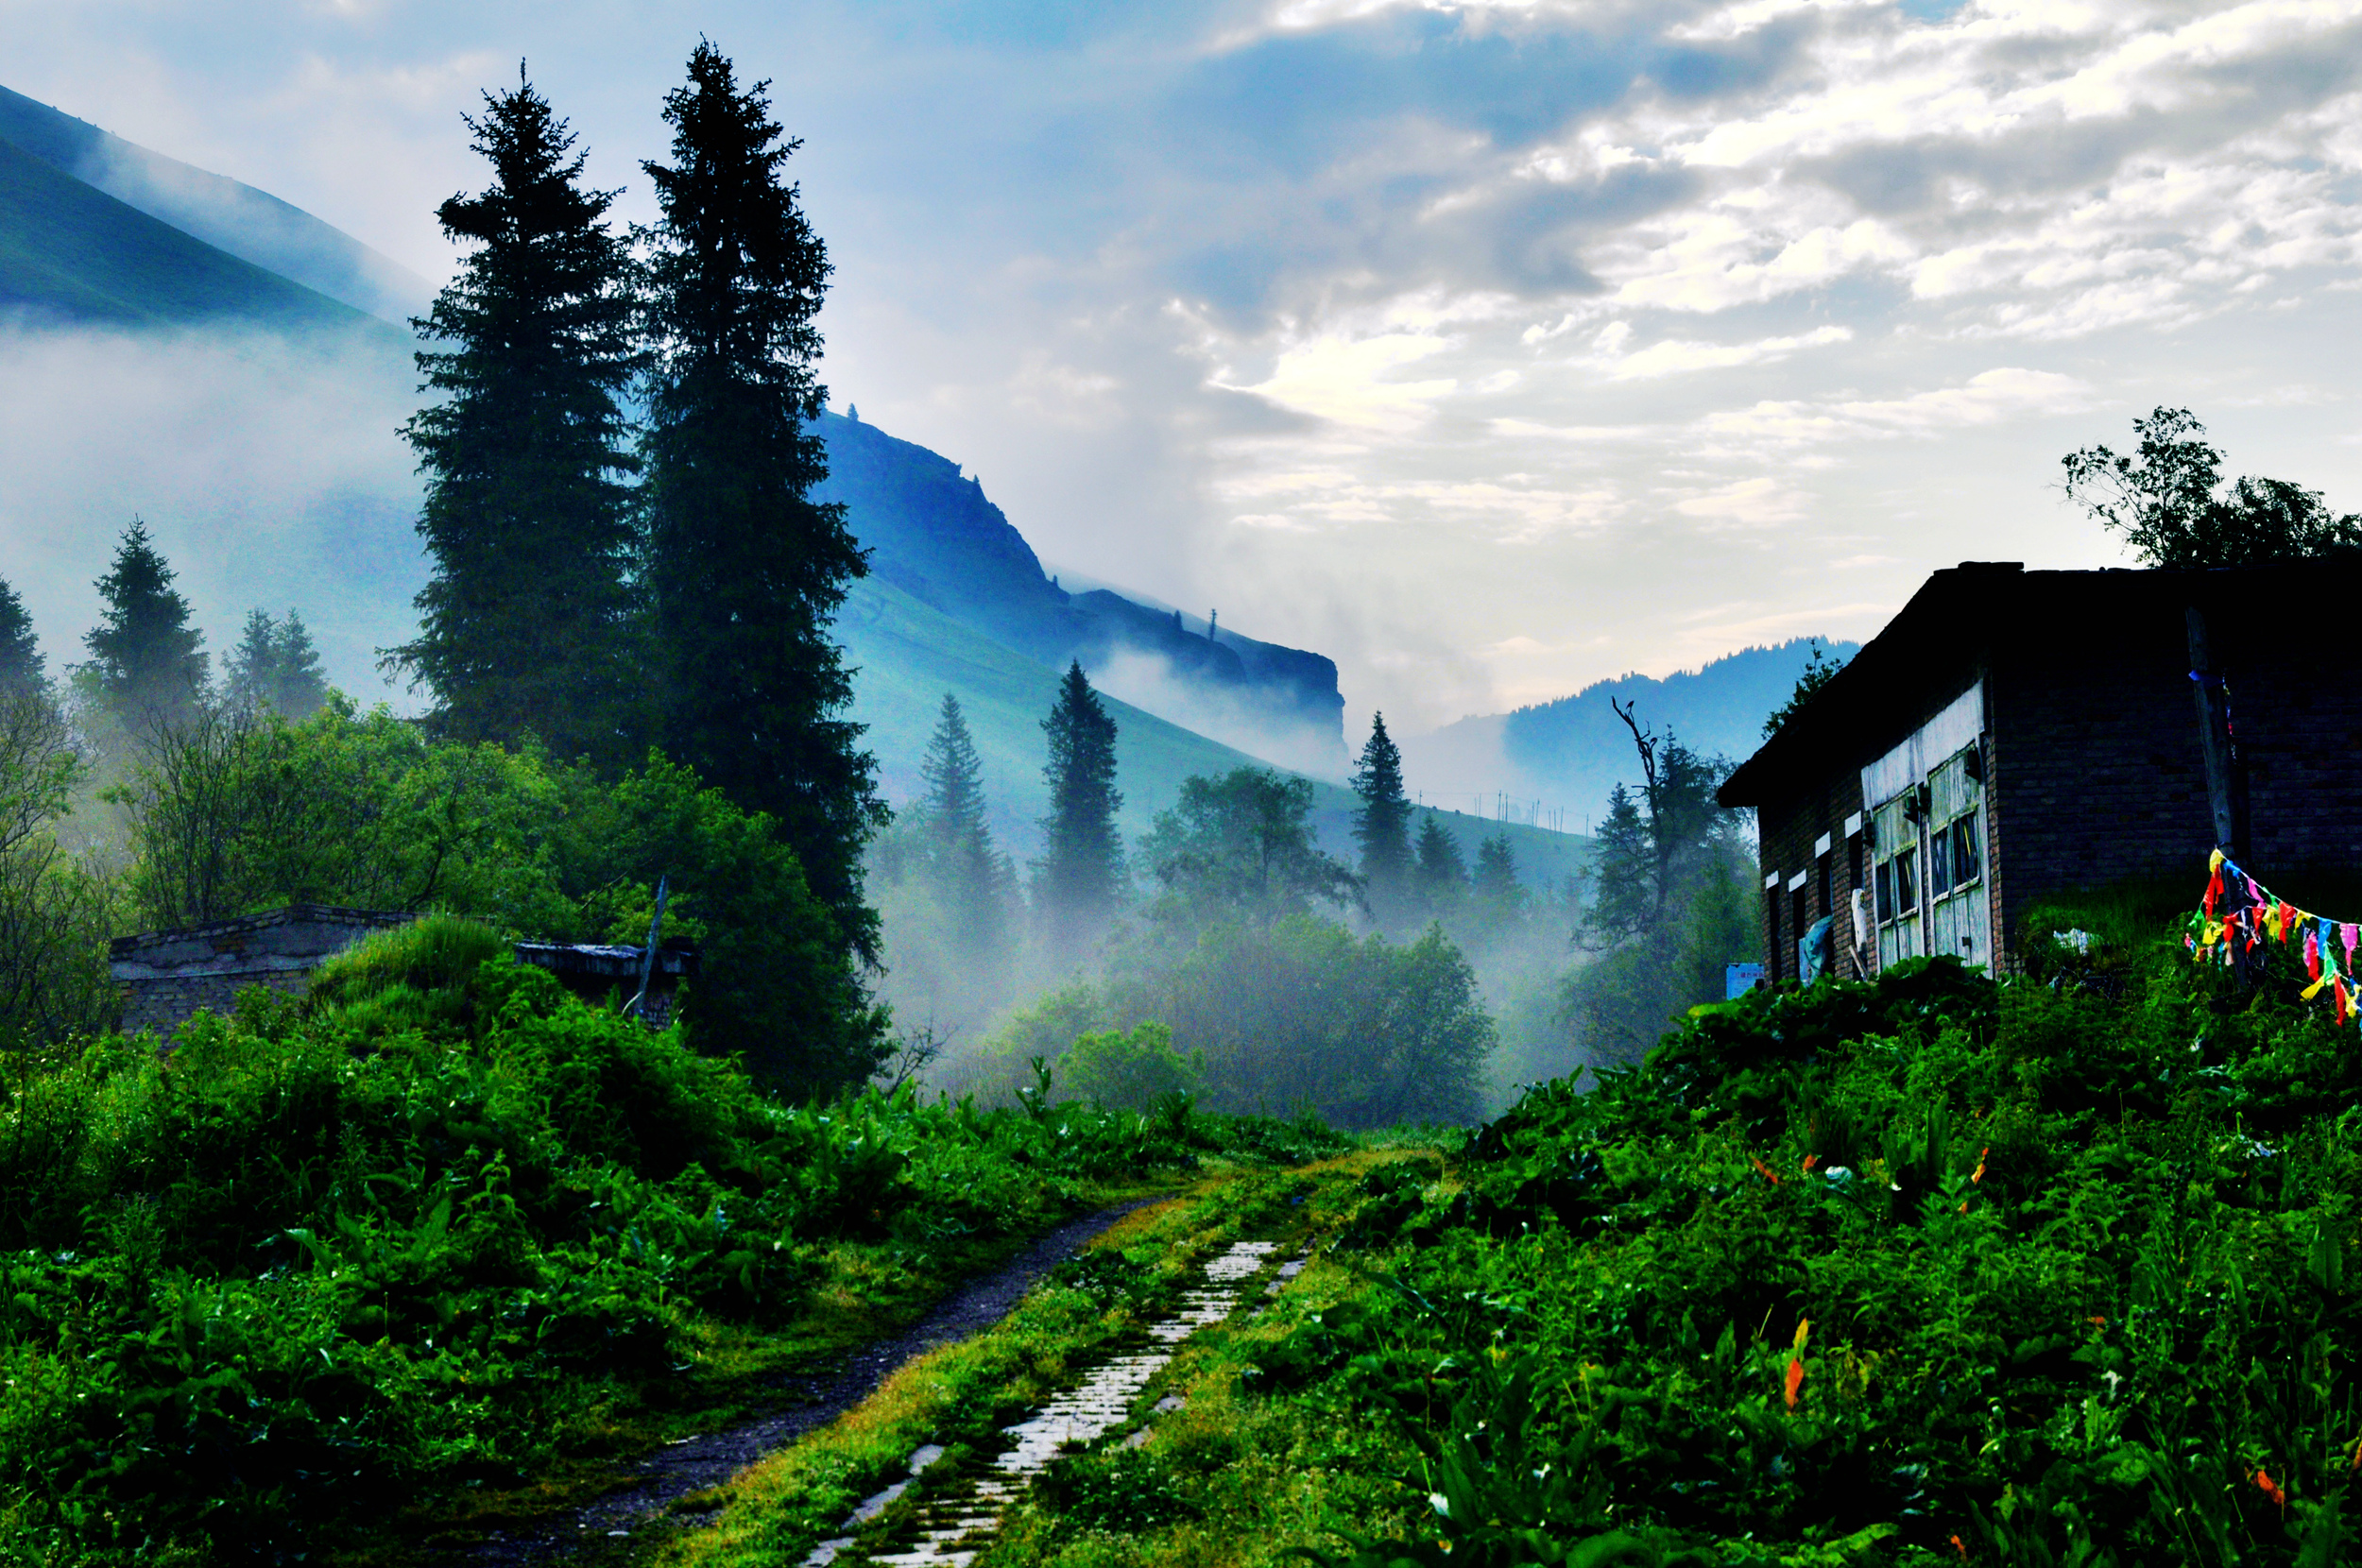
[[251, 225], [69, 251], [911, 653]]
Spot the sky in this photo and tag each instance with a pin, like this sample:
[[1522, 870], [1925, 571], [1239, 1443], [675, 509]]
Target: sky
[[1492, 349]]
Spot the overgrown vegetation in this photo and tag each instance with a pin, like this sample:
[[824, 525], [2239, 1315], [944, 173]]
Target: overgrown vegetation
[[1926, 1269], [424, 1235]]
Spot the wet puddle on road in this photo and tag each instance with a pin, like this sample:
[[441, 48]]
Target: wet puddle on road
[[954, 1528]]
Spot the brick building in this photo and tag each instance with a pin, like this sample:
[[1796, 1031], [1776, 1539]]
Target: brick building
[[2014, 735]]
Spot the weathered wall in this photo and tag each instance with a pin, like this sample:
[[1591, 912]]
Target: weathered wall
[[164, 1005]]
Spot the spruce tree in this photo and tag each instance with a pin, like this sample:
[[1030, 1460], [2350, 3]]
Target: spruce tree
[[745, 569], [1441, 871], [302, 679], [1077, 880], [147, 662], [526, 623], [274, 666], [247, 668], [21, 665], [1496, 878], [970, 877], [1382, 824]]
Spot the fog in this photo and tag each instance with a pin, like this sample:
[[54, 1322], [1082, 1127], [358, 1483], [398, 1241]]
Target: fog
[[1262, 722], [269, 470]]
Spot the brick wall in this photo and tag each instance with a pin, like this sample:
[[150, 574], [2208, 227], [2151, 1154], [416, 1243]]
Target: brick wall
[[1786, 831], [164, 1005], [2101, 777]]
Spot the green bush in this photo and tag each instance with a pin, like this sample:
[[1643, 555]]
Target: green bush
[[345, 808], [1906, 1271], [321, 1261], [1131, 1072]]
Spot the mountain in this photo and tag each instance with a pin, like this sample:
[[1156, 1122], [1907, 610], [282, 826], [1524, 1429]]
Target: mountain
[[1565, 756], [251, 225], [935, 536], [71, 251], [316, 513], [908, 654]]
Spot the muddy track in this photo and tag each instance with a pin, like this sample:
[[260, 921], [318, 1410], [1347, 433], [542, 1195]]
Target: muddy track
[[679, 1468]]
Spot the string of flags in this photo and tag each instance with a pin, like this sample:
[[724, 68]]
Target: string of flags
[[2239, 914]]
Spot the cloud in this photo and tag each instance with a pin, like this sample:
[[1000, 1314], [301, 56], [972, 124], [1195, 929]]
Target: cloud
[[1674, 356], [1986, 398], [1412, 329], [1747, 504], [268, 473]]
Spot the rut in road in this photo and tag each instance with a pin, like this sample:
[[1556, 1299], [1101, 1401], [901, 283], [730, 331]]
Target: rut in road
[[695, 1464]]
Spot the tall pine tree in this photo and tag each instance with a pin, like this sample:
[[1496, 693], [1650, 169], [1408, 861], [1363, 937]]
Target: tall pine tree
[[527, 622], [1382, 824], [21, 671], [744, 568], [1079, 875], [970, 877], [147, 663]]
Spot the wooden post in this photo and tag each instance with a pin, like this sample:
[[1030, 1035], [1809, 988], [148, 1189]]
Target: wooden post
[[2214, 731]]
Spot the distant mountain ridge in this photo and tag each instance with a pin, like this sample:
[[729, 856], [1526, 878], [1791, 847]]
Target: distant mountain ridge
[[933, 535], [253, 226], [1571, 752]]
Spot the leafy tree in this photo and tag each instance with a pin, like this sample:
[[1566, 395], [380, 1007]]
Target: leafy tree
[[1441, 872], [1820, 670], [2167, 499], [527, 623], [147, 663], [56, 911], [1078, 878], [1131, 1072], [21, 672], [1241, 846], [274, 666], [1298, 1013], [232, 814], [744, 568], [1382, 824]]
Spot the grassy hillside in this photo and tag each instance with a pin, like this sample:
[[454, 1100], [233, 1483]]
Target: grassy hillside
[[70, 250], [251, 225], [909, 654]]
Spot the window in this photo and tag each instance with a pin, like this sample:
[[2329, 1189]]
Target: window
[[1906, 882], [1940, 863], [1886, 891], [1968, 851]]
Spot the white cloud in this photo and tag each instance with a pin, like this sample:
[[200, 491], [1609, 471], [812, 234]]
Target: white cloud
[[1986, 398], [1673, 355]]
